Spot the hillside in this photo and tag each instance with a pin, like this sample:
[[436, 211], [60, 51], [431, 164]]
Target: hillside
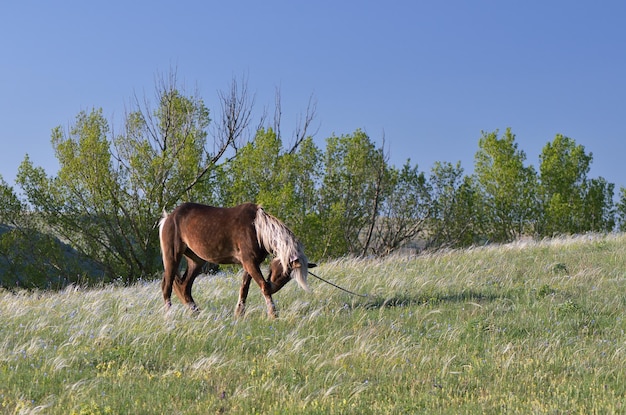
[[22, 267], [530, 327]]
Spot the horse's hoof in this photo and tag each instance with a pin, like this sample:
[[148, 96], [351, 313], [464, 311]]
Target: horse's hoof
[[194, 310], [240, 310]]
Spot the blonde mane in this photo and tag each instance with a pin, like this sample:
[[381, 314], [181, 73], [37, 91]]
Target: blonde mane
[[278, 240]]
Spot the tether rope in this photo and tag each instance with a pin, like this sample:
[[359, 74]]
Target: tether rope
[[336, 286]]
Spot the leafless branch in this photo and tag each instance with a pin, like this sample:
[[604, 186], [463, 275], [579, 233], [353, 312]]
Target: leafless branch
[[278, 112], [261, 124], [302, 128], [236, 112]]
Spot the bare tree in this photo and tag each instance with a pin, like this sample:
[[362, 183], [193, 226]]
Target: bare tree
[[304, 123], [236, 114], [278, 112]]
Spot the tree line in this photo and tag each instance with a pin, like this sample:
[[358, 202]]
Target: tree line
[[96, 218]]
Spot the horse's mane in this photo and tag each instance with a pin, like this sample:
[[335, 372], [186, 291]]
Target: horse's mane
[[277, 239]]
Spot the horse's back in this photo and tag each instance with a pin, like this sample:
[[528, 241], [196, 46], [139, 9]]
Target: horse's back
[[216, 234], [244, 211]]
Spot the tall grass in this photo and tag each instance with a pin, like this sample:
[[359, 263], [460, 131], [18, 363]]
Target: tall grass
[[531, 327]]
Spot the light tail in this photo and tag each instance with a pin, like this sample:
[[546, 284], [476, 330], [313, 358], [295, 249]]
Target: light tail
[[164, 217]]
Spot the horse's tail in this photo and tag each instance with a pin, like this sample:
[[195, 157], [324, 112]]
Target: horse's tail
[[161, 223], [165, 238], [277, 239]]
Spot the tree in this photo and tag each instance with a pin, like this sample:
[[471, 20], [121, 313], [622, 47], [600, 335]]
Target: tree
[[252, 171], [404, 209], [598, 206], [348, 201], [298, 180], [29, 257], [563, 174], [455, 219], [508, 188], [283, 181], [110, 190], [621, 209]]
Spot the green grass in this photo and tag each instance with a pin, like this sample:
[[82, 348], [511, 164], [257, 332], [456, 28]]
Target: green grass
[[522, 328]]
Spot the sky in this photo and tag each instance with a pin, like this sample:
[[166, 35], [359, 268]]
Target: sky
[[428, 76]]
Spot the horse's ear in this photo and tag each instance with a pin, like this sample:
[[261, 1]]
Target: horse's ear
[[312, 264]]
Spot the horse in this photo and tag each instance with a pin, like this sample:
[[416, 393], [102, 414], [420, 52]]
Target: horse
[[244, 235]]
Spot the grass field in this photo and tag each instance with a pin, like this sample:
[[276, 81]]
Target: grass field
[[531, 327]]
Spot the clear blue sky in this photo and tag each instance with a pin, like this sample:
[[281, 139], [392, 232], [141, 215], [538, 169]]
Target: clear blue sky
[[429, 75]]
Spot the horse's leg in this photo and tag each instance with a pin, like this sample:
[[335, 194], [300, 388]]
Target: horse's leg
[[170, 264], [172, 249], [243, 294], [255, 272], [182, 286]]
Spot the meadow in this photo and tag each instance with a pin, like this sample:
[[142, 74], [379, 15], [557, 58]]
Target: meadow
[[529, 327]]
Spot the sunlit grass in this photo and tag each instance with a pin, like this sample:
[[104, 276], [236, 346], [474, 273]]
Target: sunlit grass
[[531, 327]]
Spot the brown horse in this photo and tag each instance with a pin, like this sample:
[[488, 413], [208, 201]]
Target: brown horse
[[244, 235]]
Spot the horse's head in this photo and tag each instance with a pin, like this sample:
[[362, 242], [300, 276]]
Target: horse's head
[[297, 269]]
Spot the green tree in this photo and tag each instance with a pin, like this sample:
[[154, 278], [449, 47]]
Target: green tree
[[283, 181], [404, 209], [563, 174], [29, 257], [110, 190], [252, 171], [348, 196], [455, 219], [621, 209], [299, 178], [508, 187], [598, 207]]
